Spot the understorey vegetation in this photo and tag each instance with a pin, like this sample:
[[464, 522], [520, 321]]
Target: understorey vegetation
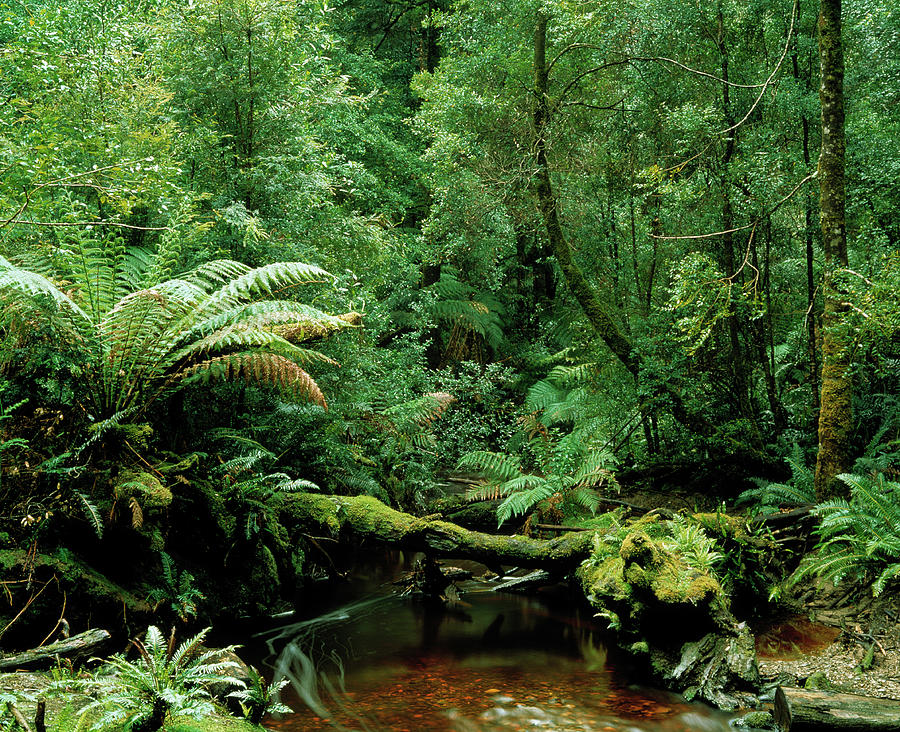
[[603, 291]]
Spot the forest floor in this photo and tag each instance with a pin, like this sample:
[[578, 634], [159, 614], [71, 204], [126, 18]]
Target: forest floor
[[846, 641]]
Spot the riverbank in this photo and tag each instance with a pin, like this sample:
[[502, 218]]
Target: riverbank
[[63, 708]]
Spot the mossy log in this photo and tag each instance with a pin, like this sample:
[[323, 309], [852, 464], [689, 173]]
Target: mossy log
[[806, 710], [79, 645], [368, 519]]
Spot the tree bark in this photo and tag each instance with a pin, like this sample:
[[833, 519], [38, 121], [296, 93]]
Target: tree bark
[[836, 410], [806, 710]]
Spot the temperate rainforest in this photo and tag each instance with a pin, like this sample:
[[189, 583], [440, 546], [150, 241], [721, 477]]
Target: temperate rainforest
[[449, 365]]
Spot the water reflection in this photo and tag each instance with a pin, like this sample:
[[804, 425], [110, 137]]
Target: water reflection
[[492, 662]]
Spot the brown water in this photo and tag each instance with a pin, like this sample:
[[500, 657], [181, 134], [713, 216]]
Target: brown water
[[492, 662], [794, 638]]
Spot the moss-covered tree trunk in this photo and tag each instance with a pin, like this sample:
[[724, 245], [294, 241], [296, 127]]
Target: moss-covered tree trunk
[[836, 404]]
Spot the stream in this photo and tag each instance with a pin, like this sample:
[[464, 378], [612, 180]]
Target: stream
[[370, 660]]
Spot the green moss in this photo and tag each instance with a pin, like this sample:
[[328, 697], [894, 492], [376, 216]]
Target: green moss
[[308, 509], [638, 548], [640, 648], [371, 516], [819, 681], [94, 586], [721, 524], [754, 720], [146, 488], [210, 724], [9, 558], [605, 578], [677, 583]]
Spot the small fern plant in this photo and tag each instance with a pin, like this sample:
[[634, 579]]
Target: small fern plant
[[260, 698], [559, 489], [563, 440], [248, 489], [164, 681], [768, 497], [859, 538], [177, 592]]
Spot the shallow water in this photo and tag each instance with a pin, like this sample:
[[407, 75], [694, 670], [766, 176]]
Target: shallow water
[[492, 662]]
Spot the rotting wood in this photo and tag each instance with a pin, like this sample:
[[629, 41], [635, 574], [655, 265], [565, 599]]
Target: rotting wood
[[523, 584], [44, 657], [808, 710]]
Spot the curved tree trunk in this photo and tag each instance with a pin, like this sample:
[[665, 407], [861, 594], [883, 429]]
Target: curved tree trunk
[[585, 294]]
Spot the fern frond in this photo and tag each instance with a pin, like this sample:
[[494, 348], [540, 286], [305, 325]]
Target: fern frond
[[263, 368], [523, 482], [542, 395], [137, 513], [892, 571], [568, 376], [420, 412], [246, 463], [484, 491], [296, 484], [594, 470], [494, 465], [91, 513], [584, 497], [522, 502], [266, 280], [22, 287]]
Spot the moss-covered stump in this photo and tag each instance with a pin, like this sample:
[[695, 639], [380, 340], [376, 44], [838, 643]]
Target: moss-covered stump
[[368, 520], [653, 581]]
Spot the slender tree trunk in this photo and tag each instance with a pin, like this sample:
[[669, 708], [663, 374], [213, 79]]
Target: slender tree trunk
[[836, 411], [739, 361]]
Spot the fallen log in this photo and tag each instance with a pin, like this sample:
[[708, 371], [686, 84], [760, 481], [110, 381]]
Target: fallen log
[[808, 710], [370, 520], [79, 645]]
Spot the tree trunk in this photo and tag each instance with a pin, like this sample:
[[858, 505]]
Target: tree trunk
[[806, 710], [836, 410]]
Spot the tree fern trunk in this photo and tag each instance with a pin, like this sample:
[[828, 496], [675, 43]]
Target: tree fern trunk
[[836, 410]]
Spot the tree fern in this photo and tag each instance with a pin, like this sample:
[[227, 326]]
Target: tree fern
[[468, 312], [213, 322]]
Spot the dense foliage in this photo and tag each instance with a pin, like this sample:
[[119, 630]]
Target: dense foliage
[[254, 247]]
